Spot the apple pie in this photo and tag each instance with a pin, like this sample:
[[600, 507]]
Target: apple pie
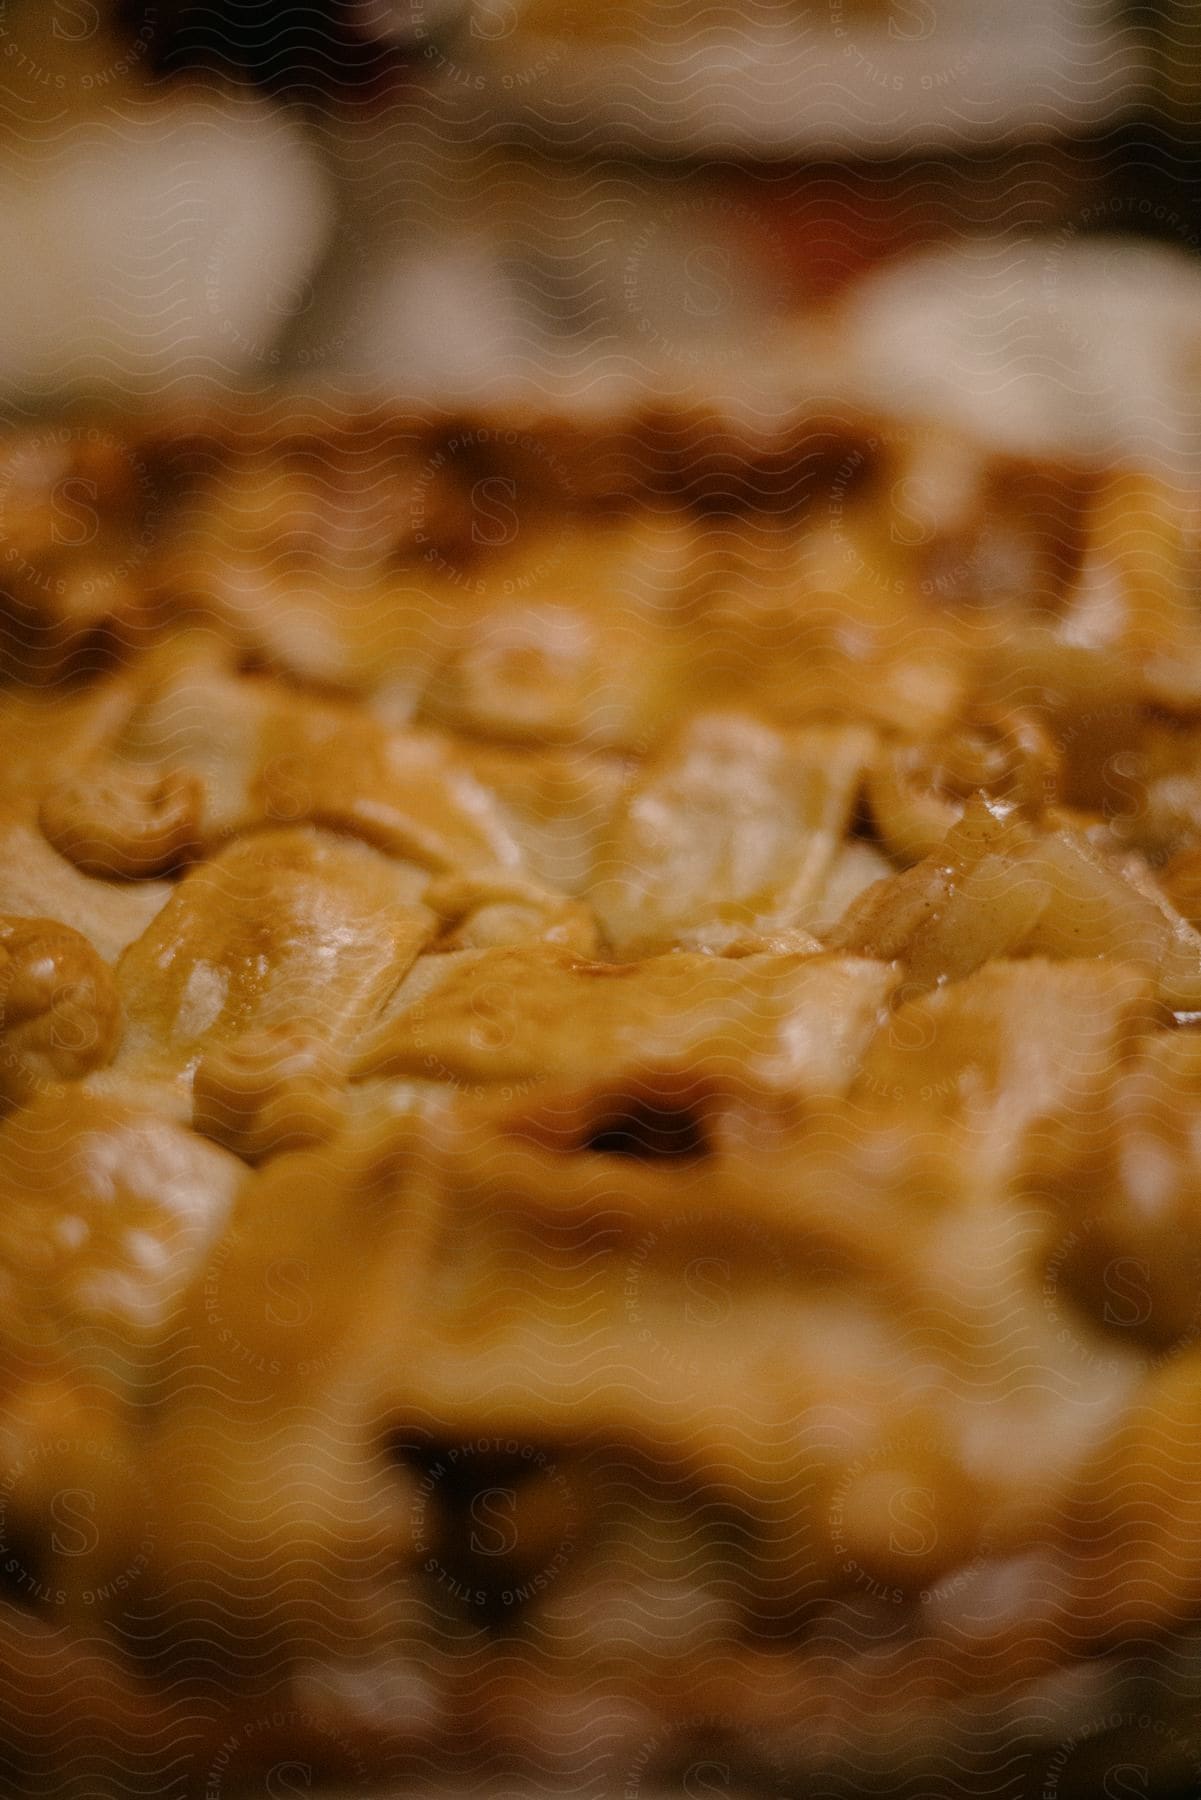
[[600, 1043]]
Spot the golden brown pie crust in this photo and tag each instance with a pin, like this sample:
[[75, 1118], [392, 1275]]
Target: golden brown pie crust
[[600, 1137]]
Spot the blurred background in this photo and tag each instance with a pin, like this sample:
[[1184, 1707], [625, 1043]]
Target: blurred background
[[953, 206]]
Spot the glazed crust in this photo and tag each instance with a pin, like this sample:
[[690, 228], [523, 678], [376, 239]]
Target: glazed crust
[[599, 1066]]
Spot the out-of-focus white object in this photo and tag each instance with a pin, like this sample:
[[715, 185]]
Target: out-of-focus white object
[[149, 237], [793, 77], [445, 321], [1060, 344]]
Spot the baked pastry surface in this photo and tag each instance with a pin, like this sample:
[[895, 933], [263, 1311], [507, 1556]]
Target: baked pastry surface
[[599, 1054]]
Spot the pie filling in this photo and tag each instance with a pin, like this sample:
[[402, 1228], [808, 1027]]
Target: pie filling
[[601, 1110]]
